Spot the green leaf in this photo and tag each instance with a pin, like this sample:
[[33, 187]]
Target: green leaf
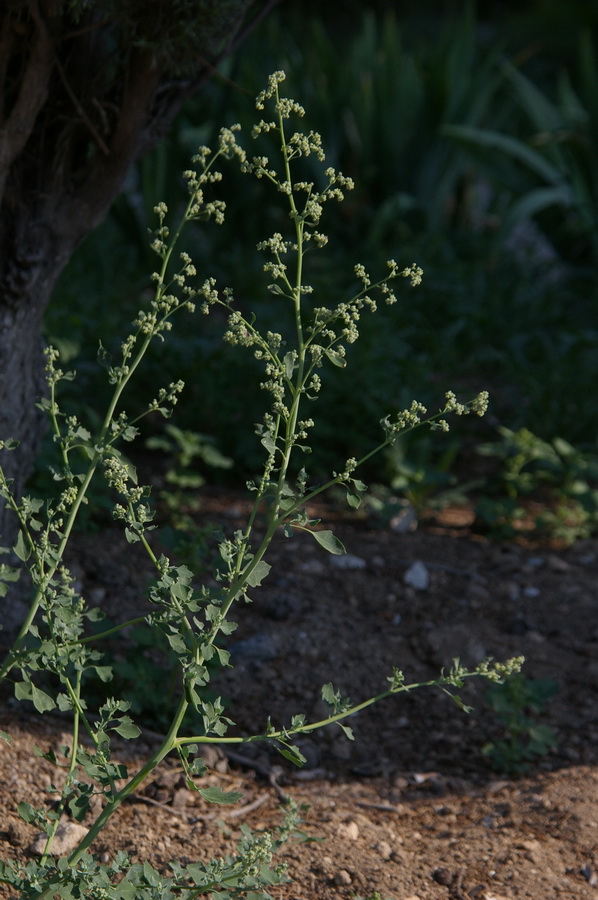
[[5, 737], [131, 536], [276, 289], [217, 795], [354, 500], [335, 358], [42, 701], [259, 573], [104, 673], [516, 149], [289, 364], [127, 729], [328, 694], [176, 642], [459, 702], [22, 550], [79, 807], [293, 754], [347, 731], [104, 358], [329, 542], [26, 812], [268, 443]]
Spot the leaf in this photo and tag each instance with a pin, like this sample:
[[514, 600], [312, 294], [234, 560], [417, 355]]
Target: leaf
[[354, 500], [328, 694], [276, 289], [217, 795], [131, 536], [26, 812], [176, 642], [104, 358], [21, 549], [289, 364], [42, 701], [269, 444], [223, 656], [335, 358], [293, 754], [127, 729], [5, 737], [79, 806], [347, 731], [329, 542], [459, 702], [255, 578], [512, 147], [104, 673]]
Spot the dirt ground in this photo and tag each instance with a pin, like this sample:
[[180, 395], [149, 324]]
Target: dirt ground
[[410, 809]]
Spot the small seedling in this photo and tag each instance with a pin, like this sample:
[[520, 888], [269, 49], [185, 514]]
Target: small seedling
[[516, 702]]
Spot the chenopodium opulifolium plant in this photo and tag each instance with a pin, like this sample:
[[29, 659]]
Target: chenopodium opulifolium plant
[[192, 618]]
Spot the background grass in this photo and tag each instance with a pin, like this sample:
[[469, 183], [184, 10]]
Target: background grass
[[471, 136]]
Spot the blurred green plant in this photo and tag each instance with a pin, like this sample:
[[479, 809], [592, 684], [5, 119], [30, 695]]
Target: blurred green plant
[[185, 449], [564, 478], [382, 95], [516, 703], [547, 169]]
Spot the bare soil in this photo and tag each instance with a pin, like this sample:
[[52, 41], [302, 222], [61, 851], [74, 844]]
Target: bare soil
[[410, 808]]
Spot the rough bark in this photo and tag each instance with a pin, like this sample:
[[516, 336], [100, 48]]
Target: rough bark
[[82, 95]]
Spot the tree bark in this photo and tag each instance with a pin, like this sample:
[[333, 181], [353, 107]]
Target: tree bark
[[80, 99]]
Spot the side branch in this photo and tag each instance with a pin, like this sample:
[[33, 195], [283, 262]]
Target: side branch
[[19, 125]]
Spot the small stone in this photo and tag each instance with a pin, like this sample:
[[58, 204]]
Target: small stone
[[17, 832], [348, 830], [442, 876], [259, 648], [342, 748], [536, 561], [417, 576], [347, 561], [404, 521], [557, 564], [67, 837], [182, 798], [531, 591], [384, 849], [342, 877], [313, 567]]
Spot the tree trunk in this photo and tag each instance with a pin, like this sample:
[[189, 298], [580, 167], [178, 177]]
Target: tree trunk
[[81, 97]]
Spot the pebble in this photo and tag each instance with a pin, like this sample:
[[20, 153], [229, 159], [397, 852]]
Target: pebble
[[557, 564], [259, 648], [384, 849], [417, 576], [531, 591], [348, 830], [347, 561], [313, 567], [404, 521], [342, 877], [68, 835]]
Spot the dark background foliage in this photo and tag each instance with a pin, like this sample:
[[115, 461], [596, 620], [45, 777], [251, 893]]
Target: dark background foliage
[[504, 228]]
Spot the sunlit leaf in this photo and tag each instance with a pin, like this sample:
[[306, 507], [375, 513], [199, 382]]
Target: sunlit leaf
[[329, 542]]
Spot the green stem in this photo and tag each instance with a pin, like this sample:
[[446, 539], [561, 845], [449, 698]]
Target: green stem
[[168, 744]]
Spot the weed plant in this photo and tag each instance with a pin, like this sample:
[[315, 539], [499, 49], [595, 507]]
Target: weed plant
[[517, 703], [486, 315], [189, 616]]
